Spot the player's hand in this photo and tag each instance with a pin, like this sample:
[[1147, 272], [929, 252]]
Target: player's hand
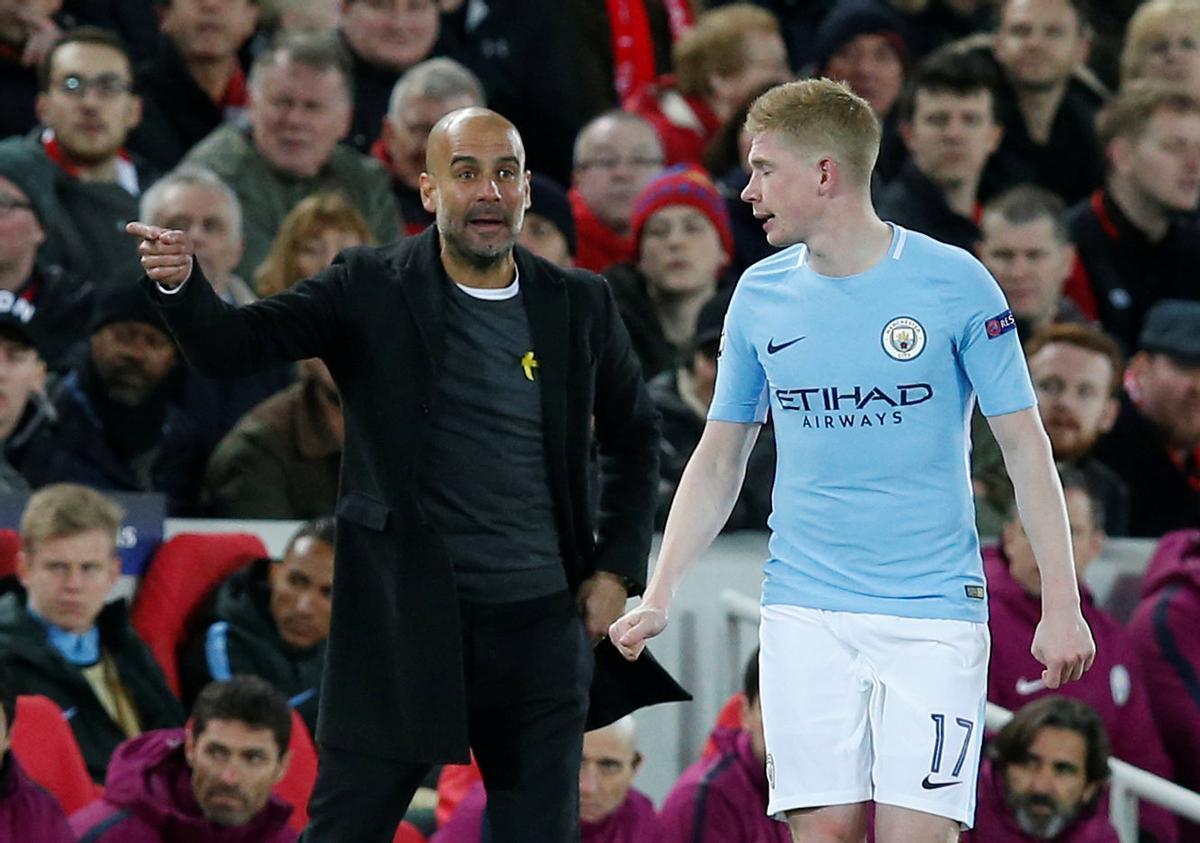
[[631, 631], [166, 253], [1063, 643], [43, 34], [601, 600]]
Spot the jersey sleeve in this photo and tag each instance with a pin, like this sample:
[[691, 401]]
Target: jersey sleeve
[[740, 394], [989, 349]]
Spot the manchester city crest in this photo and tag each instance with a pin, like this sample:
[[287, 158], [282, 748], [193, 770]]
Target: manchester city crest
[[903, 338]]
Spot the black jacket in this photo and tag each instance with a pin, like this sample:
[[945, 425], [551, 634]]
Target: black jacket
[[240, 636], [38, 668], [915, 202], [63, 311], [394, 686], [655, 352], [1161, 498]]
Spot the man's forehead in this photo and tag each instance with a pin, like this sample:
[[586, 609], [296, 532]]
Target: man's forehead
[[236, 734], [11, 188], [92, 59], [616, 132], [483, 139]]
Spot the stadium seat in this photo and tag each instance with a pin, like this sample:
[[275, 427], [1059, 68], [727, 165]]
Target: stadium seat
[[44, 744], [297, 784], [10, 543], [408, 833], [182, 572], [453, 784], [729, 717]]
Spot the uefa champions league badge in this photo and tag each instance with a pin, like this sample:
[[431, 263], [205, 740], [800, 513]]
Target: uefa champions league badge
[[903, 338]]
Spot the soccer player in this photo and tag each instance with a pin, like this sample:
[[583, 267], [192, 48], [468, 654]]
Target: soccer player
[[869, 344]]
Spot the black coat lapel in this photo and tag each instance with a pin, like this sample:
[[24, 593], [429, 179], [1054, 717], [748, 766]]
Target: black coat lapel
[[422, 277]]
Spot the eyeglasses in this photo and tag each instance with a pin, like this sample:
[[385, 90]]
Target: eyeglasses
[[8, 202], [107, 87], [610, 164]]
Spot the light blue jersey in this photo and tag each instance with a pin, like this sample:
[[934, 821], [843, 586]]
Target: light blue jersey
[[871, 380]]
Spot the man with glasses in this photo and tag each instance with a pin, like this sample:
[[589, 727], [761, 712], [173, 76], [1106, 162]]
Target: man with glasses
[[90, 182], [616, 155], [61, 640]]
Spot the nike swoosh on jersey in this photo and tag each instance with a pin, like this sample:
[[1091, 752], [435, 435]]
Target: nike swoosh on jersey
[[1025, 687], [772, 347], [928, 785]]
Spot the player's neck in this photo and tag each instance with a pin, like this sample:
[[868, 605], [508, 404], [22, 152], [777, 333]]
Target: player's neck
[[851, 241]]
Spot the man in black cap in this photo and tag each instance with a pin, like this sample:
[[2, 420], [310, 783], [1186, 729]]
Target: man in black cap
[[116, 423], [549, 230], [1155, 444], [26, 416]]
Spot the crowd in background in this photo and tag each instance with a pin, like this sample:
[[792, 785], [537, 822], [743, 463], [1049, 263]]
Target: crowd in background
[[1058, 140]]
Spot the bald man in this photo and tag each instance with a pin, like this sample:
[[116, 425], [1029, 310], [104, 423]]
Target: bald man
[[470, 372]]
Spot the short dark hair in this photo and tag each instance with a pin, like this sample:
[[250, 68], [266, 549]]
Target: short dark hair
[[953, 70], [82, 35], [1011, 745], [8, 696], [320, 51], [750, 678], [249, 700], [1073, 478], [1028, 203], [1087, 337], [321, 529]]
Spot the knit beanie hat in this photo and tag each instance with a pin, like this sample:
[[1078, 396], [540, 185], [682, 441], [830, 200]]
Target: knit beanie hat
[[683, 185]]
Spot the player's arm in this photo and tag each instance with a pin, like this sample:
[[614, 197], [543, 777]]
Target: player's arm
[[1062, 641], [706, 495]]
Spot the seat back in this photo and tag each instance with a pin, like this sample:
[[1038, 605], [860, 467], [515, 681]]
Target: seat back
[[408, 833], [10, 543], [43, 742], [296, 786], [182, 573]]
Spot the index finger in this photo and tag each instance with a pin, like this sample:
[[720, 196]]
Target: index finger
[[146, 232]]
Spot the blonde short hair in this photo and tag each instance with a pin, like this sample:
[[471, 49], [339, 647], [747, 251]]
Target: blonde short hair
[[68, 509], [1150, 22], [824, 117], [716, 45], [1129, 113]]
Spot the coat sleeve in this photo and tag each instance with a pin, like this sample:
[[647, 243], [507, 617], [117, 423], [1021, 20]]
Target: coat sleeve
[[627, 434]]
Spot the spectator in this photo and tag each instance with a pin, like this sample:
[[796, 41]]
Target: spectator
[[26, 416], [948, 122], [549, 230], [1044, 778], [862, 43], [1154, 446], [610, 809], [1162, 41], [26, 31], [300, 97], [1163, 629], [732, 51], [385, 38], [1114, 687], [310, 15], [1027, 247], [196, 82], [682, 396], [308, 240], [723, 799], [209, 782], [1047, 112], [684, 242], [118, 427], [27, 812], [1135, 247], [616, 155], [282, 460], [271, 620], [423, 95], [61, 640], [57, 302], [86, 181]]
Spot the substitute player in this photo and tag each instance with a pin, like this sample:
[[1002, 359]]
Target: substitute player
[[870, 345]]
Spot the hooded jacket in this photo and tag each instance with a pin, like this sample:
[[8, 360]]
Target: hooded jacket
[[722, 799], [148, 799], [1163, 629], [27, 812]]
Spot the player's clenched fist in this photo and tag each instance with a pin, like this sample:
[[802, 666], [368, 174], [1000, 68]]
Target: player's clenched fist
[[630, 632], [166, 253]]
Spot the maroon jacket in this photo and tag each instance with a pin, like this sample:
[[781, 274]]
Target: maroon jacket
[[1115, 686], [994, 822], [148, 799], [27, 812], [1163, 629]]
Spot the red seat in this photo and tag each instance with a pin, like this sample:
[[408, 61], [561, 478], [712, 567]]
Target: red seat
[[729, 717], [10, 544], [453, 783], [297, 783], [43, 742], [183, 571], [408, 833]]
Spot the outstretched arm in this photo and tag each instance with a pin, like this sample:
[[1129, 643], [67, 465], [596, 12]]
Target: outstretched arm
[[1062, 642], [707, 493]]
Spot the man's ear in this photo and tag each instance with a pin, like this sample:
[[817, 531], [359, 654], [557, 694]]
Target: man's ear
[[428, 189]]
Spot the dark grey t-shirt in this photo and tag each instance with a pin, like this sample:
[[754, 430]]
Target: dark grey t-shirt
[[486, 483]]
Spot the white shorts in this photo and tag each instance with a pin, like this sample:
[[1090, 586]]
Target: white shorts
[[862, 707]]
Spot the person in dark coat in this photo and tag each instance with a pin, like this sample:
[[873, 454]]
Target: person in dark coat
[[271, 619], [472, 375], [59, 638], [27, 811]]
